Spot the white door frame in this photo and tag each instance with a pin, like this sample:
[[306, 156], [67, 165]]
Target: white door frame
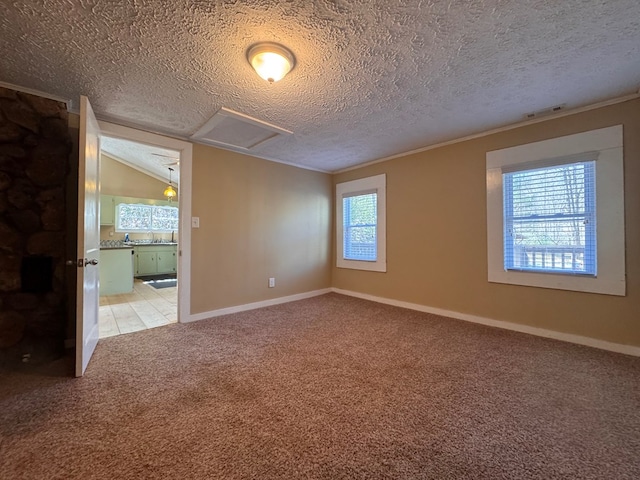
[[184, 202]]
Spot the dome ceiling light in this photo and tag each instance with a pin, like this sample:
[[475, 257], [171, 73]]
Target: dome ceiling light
[[271, 61]]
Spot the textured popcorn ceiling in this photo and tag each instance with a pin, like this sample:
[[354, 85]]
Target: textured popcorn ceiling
[[372, 79]]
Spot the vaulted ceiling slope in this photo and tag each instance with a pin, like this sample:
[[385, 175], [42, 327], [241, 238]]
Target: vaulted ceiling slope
[[373, 78]]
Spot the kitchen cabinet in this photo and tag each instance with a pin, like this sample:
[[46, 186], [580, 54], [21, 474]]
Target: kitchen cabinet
[[146, 262], [167, 261], [116, 271], [153, 259], [107, 210]]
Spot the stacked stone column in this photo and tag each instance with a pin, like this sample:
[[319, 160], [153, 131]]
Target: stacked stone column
[[34, 160]]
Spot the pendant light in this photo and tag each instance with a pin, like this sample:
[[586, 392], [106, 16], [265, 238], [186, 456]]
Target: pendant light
[[170, 192]]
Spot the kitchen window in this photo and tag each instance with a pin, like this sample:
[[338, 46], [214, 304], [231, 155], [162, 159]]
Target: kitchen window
[[138, 217]]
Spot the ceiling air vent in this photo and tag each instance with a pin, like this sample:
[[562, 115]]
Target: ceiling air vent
[[234, 130], [546, 111]]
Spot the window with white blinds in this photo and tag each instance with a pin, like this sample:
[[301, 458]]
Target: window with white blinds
[[360, 219], [550, 219], [361, 224], [555, 213]]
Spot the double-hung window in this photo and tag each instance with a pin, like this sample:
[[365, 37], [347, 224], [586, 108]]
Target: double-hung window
[[360, 226], [360, 221], [550, 218], [555, 213]]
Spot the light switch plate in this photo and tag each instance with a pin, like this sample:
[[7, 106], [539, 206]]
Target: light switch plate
[[195, 222]]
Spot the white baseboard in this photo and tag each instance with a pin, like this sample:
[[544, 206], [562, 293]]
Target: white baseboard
[[252, 306], [540, 332]]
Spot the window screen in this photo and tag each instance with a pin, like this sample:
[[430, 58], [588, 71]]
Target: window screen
[[550, 219], [164, 218], [146, 218], [359, 226], [133, 217]]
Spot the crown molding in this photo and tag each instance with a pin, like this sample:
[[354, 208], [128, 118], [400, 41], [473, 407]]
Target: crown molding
[[560, 114]]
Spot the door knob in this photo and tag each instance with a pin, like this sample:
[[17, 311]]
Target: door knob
[[81, 263]]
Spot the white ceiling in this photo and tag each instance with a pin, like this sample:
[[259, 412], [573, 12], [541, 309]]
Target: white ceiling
[[373, 78]]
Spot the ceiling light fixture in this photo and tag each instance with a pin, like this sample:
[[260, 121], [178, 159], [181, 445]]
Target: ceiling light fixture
[[271, 61], [169, 192]]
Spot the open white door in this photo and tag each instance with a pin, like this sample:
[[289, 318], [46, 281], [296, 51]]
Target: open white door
[[88, 254]]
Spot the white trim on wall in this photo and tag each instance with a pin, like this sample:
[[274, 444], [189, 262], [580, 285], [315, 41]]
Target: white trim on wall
[[252, 306], [516, 327], [486, 133], [608, 143], [129, 124], [184, 192], [375, 184]]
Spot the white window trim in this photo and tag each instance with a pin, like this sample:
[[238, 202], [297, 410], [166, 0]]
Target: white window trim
[[608, 142], [377, 183]]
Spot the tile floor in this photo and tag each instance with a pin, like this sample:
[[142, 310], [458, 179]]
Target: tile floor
[[145, 307]]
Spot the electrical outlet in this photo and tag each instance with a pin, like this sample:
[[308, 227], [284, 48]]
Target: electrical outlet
[[272, 282]]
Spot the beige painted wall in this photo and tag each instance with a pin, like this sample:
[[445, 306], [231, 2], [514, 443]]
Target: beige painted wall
[[436, 235], [258, 219], [116, 178]]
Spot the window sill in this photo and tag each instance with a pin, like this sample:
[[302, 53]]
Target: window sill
[[362, 265]]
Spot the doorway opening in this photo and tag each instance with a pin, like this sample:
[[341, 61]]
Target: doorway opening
[[141, 241]]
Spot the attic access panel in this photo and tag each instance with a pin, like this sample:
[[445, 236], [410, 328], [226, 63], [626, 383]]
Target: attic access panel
[[237, 131]]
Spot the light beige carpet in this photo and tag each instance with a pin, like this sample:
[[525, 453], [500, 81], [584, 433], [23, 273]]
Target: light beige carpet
[[333, 388]]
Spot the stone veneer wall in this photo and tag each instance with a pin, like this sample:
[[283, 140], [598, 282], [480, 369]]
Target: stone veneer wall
[[34, 160]]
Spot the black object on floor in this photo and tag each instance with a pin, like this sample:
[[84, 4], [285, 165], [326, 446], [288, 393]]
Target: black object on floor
[[162, 283], [162, 276]]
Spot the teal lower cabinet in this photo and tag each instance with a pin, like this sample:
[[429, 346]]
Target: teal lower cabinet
[[146, 262], [116, 271], [155, 259], [167, 261]]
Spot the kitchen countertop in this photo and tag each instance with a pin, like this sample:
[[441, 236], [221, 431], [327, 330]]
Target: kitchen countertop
[[149, 244], [130, 245]]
